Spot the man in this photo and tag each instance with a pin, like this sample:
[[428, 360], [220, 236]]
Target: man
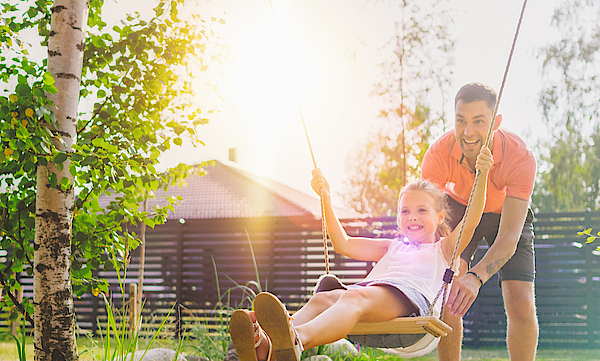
[[505, 224]]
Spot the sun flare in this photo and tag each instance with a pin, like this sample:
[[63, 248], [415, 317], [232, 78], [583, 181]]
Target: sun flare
[[271, 73]]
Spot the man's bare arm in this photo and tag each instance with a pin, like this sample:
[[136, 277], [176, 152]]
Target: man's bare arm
[[512, 219]]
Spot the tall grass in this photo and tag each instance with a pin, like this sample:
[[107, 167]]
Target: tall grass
[[213, 341], [120, 339], [118, 331], [20, 341]]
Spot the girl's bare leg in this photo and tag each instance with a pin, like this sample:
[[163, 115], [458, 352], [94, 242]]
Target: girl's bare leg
[[368, 304], [316, 305]]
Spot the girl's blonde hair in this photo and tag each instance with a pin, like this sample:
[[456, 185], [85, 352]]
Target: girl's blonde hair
[[439, 202]]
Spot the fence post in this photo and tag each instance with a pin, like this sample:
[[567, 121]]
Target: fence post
[[95, 306], [15, 323], [133, 308], [271, 257], [179, 280], [591, 301]]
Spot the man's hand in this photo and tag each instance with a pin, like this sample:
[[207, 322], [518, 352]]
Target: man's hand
[[463, 293]]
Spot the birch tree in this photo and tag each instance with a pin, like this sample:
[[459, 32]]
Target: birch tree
[[57, 159], [53, 297]]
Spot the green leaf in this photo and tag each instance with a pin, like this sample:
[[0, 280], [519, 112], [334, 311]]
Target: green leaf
[[137, 133], [590, 239], [86, 273], [60, 158], [48, 79], [52, 179], [89, 160], [149, 222], [23, 89], [101, 143], [51, 89], [28, 166], [65, 183], [177, 141], [17, 284], [32, 12]]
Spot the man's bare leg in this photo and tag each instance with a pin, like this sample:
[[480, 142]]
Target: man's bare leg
[[522, 323], [450, 346]]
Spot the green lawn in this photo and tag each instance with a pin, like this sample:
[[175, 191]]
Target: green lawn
[[497, 354], [94, 352], [89, 350]]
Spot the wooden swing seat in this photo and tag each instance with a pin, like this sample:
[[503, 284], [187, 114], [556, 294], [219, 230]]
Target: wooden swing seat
[[400, 325], [423, 324]]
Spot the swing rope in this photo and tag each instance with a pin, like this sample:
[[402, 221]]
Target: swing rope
[[450, 272], [312, 155]]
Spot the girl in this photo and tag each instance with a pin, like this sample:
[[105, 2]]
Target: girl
[[405, 279]]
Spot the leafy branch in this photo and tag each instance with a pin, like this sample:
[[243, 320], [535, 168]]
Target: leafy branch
[[16, 302], [589, 236]]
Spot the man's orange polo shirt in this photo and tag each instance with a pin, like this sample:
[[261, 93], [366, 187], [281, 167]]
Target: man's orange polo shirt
[[513, 172]]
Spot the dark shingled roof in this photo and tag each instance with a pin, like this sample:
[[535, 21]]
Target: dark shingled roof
[[229, 192]]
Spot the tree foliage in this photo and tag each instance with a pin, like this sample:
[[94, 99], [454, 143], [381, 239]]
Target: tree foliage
[[418, 70], [570, 167], [589, 237], [137, 102]]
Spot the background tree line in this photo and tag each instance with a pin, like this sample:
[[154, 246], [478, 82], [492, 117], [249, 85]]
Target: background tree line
[[569, 176], [568, 156], [413, 87]]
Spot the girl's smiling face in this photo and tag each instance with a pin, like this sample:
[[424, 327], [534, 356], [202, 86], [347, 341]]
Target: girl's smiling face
[[418, 217]]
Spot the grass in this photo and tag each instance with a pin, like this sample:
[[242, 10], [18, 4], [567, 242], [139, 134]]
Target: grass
[[89, 349], [497, 354], [8, 352]]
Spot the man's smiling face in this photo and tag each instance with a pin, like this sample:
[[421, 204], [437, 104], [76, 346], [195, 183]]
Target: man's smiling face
[[471, 125]]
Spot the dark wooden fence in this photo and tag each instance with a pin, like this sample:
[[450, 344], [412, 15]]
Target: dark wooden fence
[[197, 270], [567, 288]]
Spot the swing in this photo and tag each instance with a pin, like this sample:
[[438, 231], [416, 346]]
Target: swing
[[412, 336], [403, 336]]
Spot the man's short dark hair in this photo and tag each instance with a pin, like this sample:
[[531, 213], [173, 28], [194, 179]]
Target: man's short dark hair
[[473, 92]]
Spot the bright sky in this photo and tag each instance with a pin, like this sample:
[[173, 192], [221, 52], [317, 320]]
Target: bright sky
[[332, 47]]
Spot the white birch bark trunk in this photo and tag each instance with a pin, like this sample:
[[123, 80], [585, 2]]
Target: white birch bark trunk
[[53, 299]]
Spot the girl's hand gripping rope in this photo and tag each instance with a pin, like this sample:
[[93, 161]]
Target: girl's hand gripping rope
[[319, 183], [484, 162]]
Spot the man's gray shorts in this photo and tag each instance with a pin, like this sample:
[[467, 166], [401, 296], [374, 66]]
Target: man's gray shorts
[[521, 266]]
